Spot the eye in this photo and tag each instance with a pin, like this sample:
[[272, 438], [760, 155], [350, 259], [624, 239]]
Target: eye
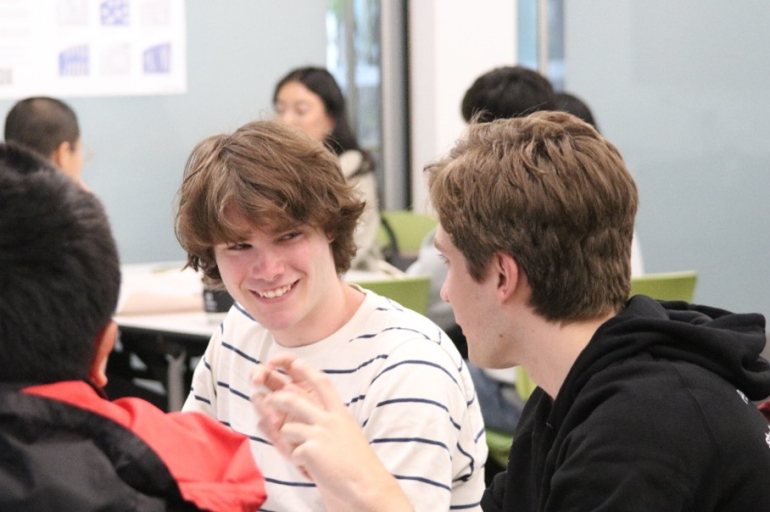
[[240, 246], [289, 236], [443, 259]]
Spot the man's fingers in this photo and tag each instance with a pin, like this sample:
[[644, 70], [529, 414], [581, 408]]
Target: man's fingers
[[316, 382], [266, 375], [271, 419], [283, 360], [295, 407], [307, 377], [295, 440]]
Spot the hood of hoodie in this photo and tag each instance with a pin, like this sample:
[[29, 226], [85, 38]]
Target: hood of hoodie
[[727, 344]]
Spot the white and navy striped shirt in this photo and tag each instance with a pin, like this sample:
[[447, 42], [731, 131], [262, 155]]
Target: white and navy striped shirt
[[401, 378]]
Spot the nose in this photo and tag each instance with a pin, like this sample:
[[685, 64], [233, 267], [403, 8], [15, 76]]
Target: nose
[[288, 117], [443, 293], [267, 266]]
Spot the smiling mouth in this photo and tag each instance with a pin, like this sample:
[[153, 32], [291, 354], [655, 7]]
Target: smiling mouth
[[278, 292]]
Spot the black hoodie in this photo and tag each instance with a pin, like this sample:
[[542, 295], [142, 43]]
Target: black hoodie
[[654, 415]]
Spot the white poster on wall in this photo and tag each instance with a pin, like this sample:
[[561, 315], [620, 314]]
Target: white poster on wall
[[68, 48]]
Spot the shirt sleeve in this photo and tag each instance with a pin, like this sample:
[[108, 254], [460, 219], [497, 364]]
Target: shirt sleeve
[[203, 392], [422, 419]]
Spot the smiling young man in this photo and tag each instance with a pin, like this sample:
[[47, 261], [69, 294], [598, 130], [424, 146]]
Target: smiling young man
[[641, 405], [267, 212]]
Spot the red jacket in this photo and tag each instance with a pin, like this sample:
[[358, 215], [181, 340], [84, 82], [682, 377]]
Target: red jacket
[[83, 451]]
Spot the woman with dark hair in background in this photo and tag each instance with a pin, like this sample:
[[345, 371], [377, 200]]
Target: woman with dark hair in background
[[310, 99]]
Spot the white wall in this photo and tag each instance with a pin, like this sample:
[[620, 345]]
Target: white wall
[[681, 89], [451, 43], [237, 50]]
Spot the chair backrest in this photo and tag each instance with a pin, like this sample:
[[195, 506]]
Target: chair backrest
[[409, 228], [666, 286], [410, 291], [524, 384]]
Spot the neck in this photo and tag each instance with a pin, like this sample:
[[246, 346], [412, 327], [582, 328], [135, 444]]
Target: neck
[[340, 305], [556, 348]]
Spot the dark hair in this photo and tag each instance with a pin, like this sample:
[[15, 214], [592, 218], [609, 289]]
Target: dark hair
[[275, 177], [59, 271], [566, 102], [505, 92], [41, 124], [552, 193], [321, 83]]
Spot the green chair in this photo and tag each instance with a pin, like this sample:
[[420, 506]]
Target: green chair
[[524, 385], [499, 446], [409, 227], [410, 291], [401, 234], [666, 286]]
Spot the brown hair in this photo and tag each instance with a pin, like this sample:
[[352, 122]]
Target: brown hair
[[272, 175], [551, 192]]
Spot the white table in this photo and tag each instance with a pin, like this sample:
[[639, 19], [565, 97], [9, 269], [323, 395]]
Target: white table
[[179, 337], [163, 306]]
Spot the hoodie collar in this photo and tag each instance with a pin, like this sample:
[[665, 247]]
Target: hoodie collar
[[727, 344]]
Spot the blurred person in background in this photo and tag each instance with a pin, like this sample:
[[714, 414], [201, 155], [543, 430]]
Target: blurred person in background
[[49, 127], [310, 99]]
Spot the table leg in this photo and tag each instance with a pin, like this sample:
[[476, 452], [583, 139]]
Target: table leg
[[175, 378]]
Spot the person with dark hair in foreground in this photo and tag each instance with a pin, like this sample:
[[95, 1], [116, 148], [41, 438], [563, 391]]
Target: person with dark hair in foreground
[[640, 404], [64, 446]]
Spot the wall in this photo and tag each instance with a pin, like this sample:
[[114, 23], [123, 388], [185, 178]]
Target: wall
[[237, 50], [451, 43], [680, 88]]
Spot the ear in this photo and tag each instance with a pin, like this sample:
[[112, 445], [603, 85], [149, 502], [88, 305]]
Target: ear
[[506, 273], [60, 154], [103, 345], [330, 124], [68, 158]]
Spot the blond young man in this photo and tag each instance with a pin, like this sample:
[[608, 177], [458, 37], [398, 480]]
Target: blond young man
[[266, 211], [641, 405]]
